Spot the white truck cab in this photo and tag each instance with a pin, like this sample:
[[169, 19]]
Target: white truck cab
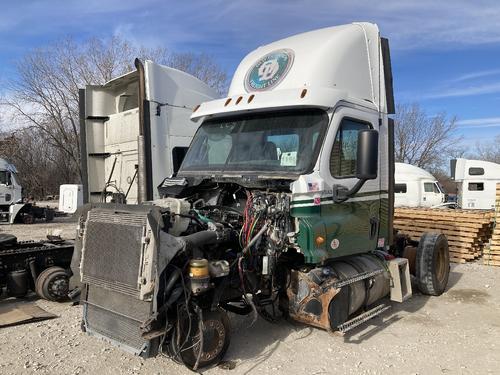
[[10, 189], [476, 182], [135, 130], [415, 187]]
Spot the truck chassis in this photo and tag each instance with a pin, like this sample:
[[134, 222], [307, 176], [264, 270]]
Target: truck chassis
[[40, 266]]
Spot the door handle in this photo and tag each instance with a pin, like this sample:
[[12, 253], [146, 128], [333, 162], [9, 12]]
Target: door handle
[[374, 221]]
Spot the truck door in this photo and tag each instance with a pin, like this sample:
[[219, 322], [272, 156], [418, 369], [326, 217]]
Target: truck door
[[431, 195], [351, 226]]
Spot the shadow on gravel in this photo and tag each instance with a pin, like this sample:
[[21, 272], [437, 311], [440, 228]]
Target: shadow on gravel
[[398, 311], [259, 342]]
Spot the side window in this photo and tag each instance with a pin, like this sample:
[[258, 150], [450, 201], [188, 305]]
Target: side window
[[399, 188], [5, 178], [344, 151], [428, 187], [476, 186], [476, 171]]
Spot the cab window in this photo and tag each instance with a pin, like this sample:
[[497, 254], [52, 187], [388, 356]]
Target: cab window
[[5, 178], [400, 188], [345, 146], [476, 186], [430, 187], [476, 171]]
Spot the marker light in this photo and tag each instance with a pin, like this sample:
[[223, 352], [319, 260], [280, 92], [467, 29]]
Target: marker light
[[319, 240]]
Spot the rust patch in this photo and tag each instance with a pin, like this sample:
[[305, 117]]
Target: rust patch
[[308, 301]]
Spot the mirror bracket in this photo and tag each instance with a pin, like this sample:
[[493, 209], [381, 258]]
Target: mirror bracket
[[341, 193]]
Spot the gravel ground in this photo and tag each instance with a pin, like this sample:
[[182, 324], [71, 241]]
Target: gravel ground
[[456, 333]]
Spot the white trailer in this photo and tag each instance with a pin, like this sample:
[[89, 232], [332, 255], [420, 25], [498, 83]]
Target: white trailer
[[415, 187], [476, 182], [135, 130]]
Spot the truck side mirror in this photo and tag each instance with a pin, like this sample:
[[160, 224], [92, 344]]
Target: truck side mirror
[[367, 155]]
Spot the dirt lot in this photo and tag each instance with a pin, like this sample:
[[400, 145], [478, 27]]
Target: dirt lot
[[457, 333]]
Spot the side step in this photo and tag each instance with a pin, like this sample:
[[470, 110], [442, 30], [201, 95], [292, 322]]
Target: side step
[[360, 319], [400, 279]]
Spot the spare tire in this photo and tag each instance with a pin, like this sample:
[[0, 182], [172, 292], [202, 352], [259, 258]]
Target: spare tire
[[432, 264]]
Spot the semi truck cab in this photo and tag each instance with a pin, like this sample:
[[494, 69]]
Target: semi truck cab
[[282, 207], [10, 189]]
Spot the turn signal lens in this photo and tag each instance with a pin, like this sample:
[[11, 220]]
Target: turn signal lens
[[320, 240]]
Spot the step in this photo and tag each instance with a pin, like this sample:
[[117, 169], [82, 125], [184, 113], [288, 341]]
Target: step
[[360, 319]]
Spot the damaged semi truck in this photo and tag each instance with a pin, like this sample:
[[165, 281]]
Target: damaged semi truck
[[282, 207]]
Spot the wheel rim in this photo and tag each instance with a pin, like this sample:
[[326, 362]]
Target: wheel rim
[[441, 264], [58, 287], [214, 336]]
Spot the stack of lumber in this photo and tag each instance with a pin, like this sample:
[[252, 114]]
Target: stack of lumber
[[467, 230], [491, 254]]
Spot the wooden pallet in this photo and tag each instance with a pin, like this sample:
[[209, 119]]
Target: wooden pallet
[[467, 231], [491, 253]]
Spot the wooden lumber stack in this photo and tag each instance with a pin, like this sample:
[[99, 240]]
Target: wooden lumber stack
[[491, 253], [467, 230]]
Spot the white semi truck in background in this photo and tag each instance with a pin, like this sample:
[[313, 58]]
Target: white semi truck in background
[[12, 208], [135, 130], [476, 182], [415, 187], [10, 189]]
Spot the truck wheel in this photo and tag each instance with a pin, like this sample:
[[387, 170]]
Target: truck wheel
[[216, 338], [53, 284], [432, 264], [28, 219]]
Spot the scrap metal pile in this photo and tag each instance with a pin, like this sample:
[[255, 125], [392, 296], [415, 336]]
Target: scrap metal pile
[[40, 266]]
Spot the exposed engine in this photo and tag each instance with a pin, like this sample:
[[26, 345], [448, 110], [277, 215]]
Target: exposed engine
[[161, 277], [235, 232]]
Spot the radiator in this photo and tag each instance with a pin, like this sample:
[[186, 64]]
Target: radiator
[[117, 259]]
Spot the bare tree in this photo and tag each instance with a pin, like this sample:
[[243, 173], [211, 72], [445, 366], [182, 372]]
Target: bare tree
[[422, 140], [489, 151], [44, 94], [202, 67]]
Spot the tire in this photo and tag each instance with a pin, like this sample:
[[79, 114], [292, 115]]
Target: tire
[[28, 219], [53, 284], [432, 264], [216, 335]]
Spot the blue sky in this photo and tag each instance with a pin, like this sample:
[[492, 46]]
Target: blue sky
[[445, 54]]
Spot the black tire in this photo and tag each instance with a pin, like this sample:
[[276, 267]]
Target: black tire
[[28, 219], [53, 284], [216, 340], [432, 264]]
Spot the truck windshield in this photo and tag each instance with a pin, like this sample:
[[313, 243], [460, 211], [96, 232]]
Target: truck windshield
[[271, 142]]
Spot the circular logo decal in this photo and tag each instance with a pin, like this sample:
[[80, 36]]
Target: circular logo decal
[[269, 70], [335, 244]]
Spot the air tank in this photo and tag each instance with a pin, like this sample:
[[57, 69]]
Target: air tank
[[17, 283]]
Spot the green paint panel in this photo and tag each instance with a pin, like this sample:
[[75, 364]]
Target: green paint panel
[[348, 223]]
